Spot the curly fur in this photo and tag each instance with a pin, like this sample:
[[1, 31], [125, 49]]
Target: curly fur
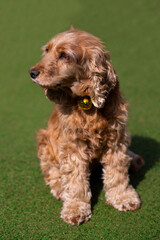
[[74, 64]]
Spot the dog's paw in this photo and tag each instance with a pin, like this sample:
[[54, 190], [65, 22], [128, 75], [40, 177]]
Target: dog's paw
[[75, 213], [127, 200]]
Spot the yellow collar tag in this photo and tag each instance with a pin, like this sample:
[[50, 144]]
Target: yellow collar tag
[[85, 103]]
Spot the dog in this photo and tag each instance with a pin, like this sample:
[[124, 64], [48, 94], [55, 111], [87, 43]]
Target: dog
[[88, 125]]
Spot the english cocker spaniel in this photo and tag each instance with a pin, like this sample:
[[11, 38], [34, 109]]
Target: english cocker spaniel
[[87, 125]]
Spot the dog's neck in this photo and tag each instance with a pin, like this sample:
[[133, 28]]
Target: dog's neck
[[65, 96]]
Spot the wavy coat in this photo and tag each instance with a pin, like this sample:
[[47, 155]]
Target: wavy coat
[[75, 64]]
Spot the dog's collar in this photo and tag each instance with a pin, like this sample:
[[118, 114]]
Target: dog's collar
[[85, 102]]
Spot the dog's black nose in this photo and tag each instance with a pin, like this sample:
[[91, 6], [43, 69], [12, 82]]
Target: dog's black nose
[[34, 73]]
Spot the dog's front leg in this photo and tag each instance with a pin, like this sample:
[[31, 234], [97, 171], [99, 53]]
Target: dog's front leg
[[119, 193], [76, 193]]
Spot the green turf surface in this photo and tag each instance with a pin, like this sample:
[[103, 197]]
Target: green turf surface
[[130, 30]]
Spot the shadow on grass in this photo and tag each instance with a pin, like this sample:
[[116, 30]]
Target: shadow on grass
[[148, 148]]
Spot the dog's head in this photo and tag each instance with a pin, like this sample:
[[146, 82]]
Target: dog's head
[[75, 61]]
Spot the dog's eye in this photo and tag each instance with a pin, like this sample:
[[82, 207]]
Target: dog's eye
[[47, 49], [63, 55]]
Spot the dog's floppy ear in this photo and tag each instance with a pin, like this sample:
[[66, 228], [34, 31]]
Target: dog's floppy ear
[[103, 77]]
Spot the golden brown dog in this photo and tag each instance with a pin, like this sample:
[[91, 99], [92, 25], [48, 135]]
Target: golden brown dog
[[88, 124]]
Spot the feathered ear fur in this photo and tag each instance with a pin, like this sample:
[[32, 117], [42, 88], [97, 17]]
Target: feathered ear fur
[[104, 78]]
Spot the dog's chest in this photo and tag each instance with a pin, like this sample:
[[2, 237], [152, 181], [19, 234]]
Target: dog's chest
[[96, 138], [91, 133]]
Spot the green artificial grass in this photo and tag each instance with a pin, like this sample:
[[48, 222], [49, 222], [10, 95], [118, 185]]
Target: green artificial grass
[[130, 29]]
